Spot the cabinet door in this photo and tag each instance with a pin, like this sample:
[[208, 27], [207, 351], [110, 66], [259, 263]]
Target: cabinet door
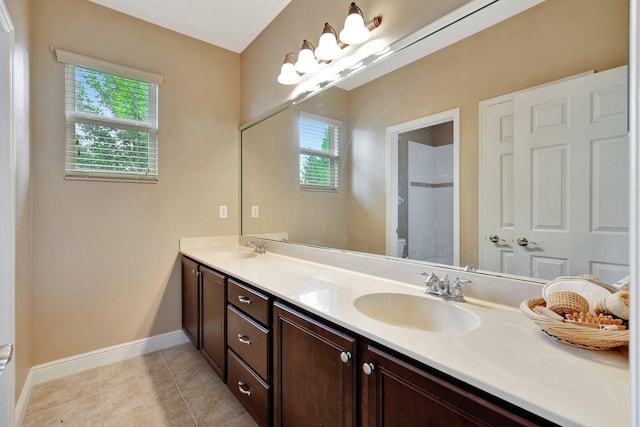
[[190, 301], [395, 393], [213, 347], [314, 372]]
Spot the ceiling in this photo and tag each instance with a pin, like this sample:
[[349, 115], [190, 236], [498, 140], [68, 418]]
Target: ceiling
[[232, 25]]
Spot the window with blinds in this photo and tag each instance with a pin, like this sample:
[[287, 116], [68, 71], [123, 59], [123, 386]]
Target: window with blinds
[[111, 125], [319, 139]]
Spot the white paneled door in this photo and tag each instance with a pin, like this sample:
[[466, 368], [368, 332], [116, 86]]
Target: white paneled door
[[7, 217], [558, 161]]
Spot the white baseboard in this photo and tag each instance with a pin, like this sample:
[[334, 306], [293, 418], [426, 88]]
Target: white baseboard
[[93, 359]]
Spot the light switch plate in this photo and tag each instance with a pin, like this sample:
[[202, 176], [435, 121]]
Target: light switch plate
[[223, 211], [255, 211]]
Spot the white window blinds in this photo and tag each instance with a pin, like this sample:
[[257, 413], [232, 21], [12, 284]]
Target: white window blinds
[[319, 139], [111, 120]]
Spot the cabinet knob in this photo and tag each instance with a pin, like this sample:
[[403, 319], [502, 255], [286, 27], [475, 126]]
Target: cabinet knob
[[368, 368], [244, 339], [242, 388], [345, 356], [244, 299]]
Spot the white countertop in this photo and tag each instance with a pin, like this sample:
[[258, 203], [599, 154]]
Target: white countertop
[[507, 355]]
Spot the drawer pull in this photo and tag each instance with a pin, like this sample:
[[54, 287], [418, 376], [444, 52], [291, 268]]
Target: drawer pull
[[244, 299], [242, 388], [244, 339]]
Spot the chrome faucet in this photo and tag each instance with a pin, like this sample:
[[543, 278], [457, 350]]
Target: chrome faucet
[[258, 246], [443, 288]]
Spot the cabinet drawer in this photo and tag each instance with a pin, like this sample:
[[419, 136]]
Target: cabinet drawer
[[249, 389], [249, 340], [251, 302]]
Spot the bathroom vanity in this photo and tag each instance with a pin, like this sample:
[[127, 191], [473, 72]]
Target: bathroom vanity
[[301, 349]]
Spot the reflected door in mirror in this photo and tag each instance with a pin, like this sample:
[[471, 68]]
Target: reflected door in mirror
[[568, 156]]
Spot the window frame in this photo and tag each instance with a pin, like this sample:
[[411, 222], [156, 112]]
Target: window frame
[[333, 154], [74, 117]]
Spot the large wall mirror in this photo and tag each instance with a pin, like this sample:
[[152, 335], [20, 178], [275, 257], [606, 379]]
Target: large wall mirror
[[506, 150]]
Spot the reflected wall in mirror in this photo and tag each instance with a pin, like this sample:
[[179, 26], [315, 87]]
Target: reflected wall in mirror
[[551, 41]]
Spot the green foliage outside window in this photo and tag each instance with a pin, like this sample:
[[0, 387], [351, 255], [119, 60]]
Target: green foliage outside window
[[318, 140], [117, 146], [316, 170]]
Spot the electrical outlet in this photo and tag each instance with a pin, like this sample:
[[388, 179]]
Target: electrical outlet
[[255, 211], [223, 211]]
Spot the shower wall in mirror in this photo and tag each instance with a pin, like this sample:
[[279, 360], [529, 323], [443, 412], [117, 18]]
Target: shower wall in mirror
[[552, 41]]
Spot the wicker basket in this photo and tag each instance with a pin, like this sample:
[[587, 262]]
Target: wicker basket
[[572, 333]]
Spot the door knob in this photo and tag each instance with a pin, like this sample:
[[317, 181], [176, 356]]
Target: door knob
[[494, 238], [523, 241], [6, 353]]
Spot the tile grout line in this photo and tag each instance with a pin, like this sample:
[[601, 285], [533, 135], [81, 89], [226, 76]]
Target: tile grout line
[[177, 387]]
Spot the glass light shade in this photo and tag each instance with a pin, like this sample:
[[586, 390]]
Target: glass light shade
[[354, 31], [328, 48], [306, 61], [288, 74]]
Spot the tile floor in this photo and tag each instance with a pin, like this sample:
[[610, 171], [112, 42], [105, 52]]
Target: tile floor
[[172, 387]]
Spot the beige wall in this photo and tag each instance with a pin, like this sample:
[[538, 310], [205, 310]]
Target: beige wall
[[19, 10], [556, 39], [105, 254], [262, 59]]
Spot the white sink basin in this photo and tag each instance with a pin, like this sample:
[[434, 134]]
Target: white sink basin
[[232, 255], [417, 312]]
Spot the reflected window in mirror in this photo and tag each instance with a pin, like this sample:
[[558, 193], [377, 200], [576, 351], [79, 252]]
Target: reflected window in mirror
[[319, 139]]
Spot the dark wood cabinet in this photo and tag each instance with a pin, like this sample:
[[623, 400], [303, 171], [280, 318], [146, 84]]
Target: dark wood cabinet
[[249, 350], [213, 332], [249, 301], [290, 368], [191, 301], [249, 340], [250, 389], [396, 393], [314, 372]]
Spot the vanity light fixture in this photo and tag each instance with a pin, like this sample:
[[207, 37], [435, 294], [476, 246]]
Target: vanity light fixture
[[310, 59], [307, 62], [288, 74], [355, 31], [328, 48]]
